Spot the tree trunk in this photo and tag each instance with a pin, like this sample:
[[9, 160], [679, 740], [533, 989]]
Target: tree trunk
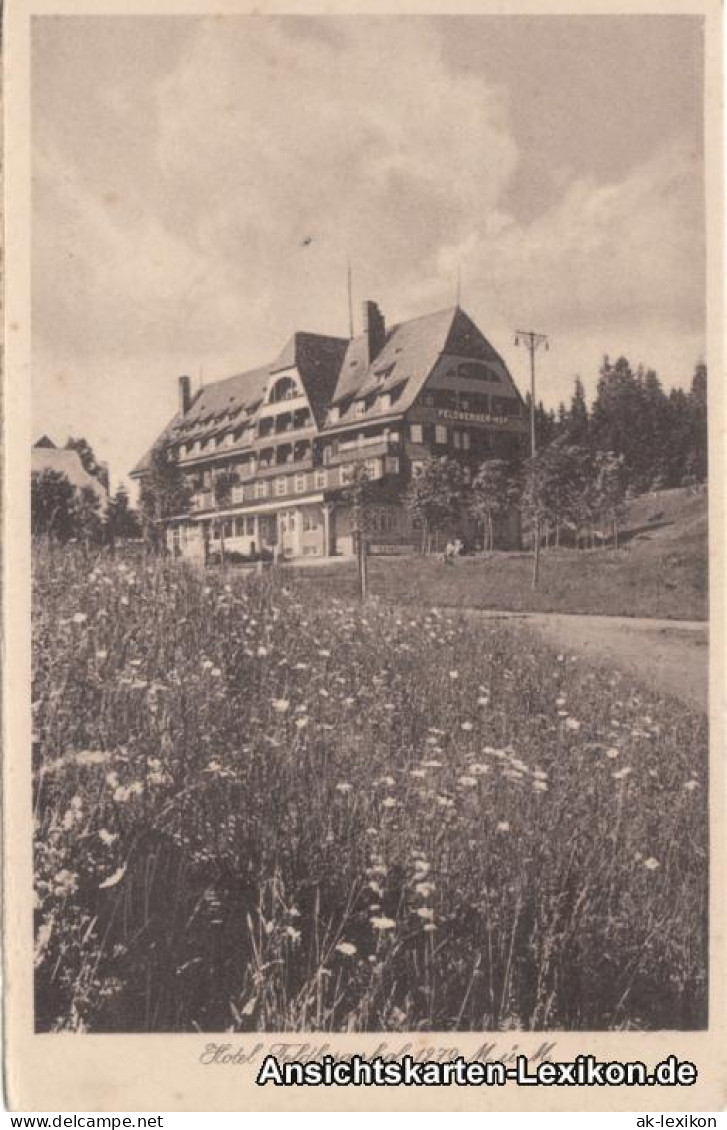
[[363, 572], [536, 555]]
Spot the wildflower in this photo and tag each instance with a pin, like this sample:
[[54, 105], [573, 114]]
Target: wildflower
[[292, 933], [445, 802], [540, 775], [106, 837], [503, 826], [467, 726], [432, 764], [348, 949], [417, 773], [64, 883], [385, 781], [540, 786], [207, 664], [389, 802], [572, 724], [301, 723], [113, 879], [79, 618], [478, 768], [483, 700], [651, 864], [612, 752], [621, 773], [426, 912], [454, 674], [262, 652], [691, 785], [467, 782], [343, 787], [425, 889], [92, 757], [561, 701], [383, 923], [429, 928], [422, 867], [215, 672]]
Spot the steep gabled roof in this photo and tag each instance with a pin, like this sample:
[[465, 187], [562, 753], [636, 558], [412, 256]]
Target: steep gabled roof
[[410, 352], [225, 404], [65, 461]]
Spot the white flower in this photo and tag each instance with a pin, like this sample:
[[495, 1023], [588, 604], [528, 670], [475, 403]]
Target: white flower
[[383, 923], [79, 618], [467, 726], [344, 787], [348, 949], [540, 786], [503, 826], [426, 912], [572, 724], [113, 879], [467, 782], [454, 674], [621, 773], [690, 785], [651, 864], [389, 802], [424, 889], [612, 753], [107, 838]]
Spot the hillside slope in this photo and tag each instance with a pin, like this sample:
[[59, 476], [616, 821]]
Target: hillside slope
[[659, 570]]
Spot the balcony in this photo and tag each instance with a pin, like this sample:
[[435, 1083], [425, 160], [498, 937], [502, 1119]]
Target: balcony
[[369, 448]]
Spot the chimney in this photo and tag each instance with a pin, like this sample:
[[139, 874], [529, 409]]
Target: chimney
[[185, 395], [374, 329]]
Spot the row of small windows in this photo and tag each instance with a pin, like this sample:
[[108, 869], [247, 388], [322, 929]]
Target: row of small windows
[[479, 403]]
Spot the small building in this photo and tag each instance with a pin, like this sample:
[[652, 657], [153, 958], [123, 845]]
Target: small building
[[293, 432], [45, 456]]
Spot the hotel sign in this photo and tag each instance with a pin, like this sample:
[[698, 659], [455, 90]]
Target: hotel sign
[[471, 417]]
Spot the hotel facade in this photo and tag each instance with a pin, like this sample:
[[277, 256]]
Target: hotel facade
[[290, 435]]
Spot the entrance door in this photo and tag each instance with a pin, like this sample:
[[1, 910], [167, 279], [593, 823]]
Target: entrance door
[[289, 533]]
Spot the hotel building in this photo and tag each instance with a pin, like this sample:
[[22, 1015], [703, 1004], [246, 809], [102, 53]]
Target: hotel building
[[291, 433]]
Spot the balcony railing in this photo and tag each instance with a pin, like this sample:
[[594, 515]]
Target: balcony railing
[[296, 480]]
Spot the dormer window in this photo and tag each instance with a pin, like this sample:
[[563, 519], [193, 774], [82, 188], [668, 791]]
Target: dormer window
[[284, 389]]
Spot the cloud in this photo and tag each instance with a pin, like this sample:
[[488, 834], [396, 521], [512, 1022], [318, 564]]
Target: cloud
[[363, 140], [618, 254], [171, 209]]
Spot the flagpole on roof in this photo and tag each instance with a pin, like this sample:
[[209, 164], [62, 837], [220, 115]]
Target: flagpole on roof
[[350, 297]]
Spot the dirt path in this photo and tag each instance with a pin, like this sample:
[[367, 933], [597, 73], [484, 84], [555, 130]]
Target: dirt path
[[669, 655]]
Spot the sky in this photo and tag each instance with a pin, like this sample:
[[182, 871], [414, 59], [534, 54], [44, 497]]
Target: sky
[[200, 182]]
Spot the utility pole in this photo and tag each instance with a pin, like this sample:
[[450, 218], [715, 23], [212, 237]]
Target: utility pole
[[532, 342]]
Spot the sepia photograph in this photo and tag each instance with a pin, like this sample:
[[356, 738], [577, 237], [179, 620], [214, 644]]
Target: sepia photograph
[[369, 493]]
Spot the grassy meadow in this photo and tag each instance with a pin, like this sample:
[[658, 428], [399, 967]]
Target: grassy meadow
[[660, 570], [259, 810]]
